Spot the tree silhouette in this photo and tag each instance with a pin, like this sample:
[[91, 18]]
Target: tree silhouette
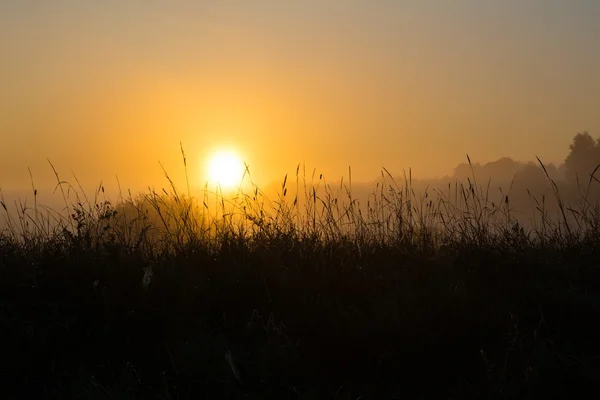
[[583, 158]]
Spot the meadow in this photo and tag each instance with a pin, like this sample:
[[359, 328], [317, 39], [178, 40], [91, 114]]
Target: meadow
[[308, 295]]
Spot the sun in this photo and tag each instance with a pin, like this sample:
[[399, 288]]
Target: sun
[[226, 170]]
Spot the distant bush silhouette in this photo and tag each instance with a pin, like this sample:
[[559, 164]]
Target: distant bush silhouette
[[583, 158]]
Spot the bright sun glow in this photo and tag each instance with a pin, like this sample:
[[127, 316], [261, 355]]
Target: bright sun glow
[[225, 169]]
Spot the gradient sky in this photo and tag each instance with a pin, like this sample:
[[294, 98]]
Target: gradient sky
[[110, 87]]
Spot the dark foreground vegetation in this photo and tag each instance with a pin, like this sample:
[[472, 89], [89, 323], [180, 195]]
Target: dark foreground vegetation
[[166, 297]]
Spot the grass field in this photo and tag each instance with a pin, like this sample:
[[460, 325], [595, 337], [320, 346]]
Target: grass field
[[310, 295]]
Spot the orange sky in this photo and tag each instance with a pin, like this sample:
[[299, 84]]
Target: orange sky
[[107, 88]]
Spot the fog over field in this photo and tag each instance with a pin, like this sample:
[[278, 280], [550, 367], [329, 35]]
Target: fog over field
[[527, 191]]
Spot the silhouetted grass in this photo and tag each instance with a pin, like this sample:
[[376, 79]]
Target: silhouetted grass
[[308, 295]]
